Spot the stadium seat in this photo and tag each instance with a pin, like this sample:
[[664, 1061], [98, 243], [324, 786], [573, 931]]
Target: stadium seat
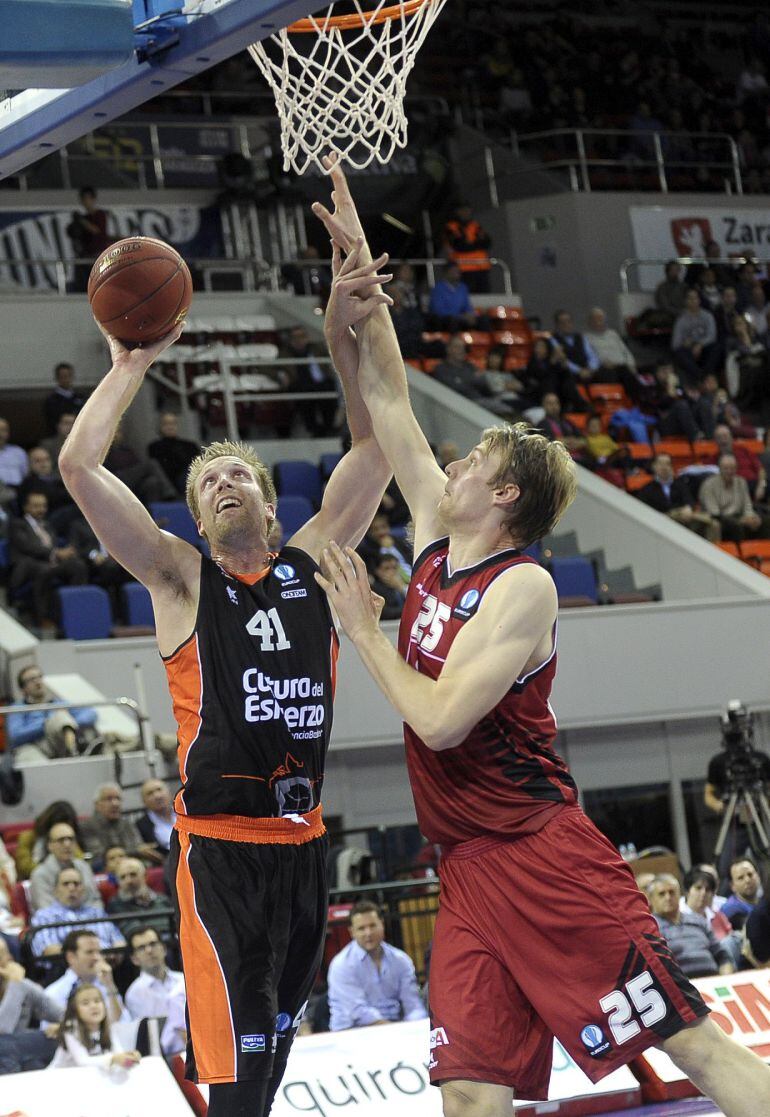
[[575, 580], [754, 445], [704, 448], [138, 603], [639, 451], [679, 449], [755, 550], [578, 419], [174, 516], [298, 478], [328, 464], [636, 481], [608, 393], [730, 549], [85, 612], [293, 512], [534, 550]]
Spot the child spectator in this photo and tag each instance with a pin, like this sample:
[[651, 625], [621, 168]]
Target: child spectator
[[602, 449], [85, 1039]]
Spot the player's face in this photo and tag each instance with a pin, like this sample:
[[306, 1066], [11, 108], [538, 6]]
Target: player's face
[[745, 880], [231, 502], [368, 930], [469, 494]]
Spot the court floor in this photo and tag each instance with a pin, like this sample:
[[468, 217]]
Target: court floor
[[691, 1107]]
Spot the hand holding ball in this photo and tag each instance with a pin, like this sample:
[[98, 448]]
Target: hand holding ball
[[139, 289]]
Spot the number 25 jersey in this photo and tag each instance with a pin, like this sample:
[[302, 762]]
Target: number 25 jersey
[[504, 779], [252, 690]]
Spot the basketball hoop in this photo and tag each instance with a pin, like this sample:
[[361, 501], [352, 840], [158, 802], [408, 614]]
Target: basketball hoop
[[339, 80]]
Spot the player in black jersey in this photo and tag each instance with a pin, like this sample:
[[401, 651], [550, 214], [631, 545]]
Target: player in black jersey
[[249, 648]]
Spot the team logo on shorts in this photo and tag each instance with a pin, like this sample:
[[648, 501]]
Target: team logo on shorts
[[469, 603], [593, 1038], [254, 1043], [284, 572]]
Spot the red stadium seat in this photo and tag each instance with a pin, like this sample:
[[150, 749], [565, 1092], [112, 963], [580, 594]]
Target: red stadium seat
[[636, 481]]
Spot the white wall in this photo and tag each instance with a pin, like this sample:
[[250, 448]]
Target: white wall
[[575, 264]]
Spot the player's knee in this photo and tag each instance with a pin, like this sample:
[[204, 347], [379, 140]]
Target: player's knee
[[471, 1099]]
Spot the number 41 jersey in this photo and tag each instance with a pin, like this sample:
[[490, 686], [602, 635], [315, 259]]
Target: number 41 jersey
[[252, 690], [504, 779]]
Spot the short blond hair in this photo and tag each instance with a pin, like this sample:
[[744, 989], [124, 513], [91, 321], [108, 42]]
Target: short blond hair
[[227, 449], [544, 472]]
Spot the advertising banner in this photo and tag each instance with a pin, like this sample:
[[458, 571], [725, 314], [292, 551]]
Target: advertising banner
[[41, 234], [740, 1005], [376, 1072], [662, 232], [91, 1092]]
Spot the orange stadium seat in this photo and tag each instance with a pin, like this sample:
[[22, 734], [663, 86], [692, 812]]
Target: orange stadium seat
[[679, 449], [502, 313], [755, 550], [429, 364], [639, 451], [636, 481], [704, 448], [578, 419], [730, 549], [609, 393], [755, 445]]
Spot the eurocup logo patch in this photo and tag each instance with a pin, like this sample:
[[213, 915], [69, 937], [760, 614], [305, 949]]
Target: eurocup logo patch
[[284, 572], [467, 606], [593, 1038]]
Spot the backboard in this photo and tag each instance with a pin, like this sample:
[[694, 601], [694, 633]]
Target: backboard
[[34, 122]]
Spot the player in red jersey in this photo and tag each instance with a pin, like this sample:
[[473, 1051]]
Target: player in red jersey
[[541, 929]]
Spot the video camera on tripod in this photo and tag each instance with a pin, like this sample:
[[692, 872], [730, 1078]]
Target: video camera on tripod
[[744, 790], [744, 769]]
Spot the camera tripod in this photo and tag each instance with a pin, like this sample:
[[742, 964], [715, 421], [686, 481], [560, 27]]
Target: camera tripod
[[757, 807]]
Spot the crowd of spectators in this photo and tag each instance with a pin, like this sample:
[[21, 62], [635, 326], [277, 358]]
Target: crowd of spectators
[[564, 73]]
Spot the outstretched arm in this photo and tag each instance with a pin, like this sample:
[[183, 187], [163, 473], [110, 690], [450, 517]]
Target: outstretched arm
[[121, 523], [493, 649], [355, 488], [382, 379]]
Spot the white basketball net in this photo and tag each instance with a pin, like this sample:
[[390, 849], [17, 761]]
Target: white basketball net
[[343, 90]]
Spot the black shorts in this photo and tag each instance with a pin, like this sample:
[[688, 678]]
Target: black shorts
[[252, 922]]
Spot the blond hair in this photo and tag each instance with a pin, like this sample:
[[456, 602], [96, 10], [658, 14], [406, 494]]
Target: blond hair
[[227, 449], [544, 472]]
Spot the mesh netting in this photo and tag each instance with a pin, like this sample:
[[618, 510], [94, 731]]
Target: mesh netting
[[341, 87]]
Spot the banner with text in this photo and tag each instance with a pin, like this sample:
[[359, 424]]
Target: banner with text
[[42, 235], [740, 1005], [376, 1072], [662, 232], [91, 1092]]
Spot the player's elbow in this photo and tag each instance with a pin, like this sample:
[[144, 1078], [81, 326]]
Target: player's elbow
[[443, 733]]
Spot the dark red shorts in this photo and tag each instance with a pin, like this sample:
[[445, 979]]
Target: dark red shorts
[[548, 935]]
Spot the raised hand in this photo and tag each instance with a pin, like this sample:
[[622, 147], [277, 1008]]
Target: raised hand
[[343, 225], [345, 580], [143, 356], [355, 290]]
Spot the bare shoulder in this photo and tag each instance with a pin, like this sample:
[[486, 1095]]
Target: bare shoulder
[[521, 594]]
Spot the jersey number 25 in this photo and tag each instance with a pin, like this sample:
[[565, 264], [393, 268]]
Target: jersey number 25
[[429, 626]]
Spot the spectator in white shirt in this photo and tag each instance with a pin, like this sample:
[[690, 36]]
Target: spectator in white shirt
[[14, 463], [85, 962], [158, 991], [756, 311], [157, 824], [85, 1039], [615, 358]]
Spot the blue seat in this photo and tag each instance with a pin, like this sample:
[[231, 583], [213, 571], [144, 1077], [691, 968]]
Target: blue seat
[[138, 603], [298, 478], [329, 463], [85, 612], [174, 516], [534, 550], [293, 512], [575, 580]]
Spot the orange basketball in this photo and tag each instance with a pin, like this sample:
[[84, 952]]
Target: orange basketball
[[139, 289]]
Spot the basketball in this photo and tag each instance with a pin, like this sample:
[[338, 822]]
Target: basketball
[[139, 289]]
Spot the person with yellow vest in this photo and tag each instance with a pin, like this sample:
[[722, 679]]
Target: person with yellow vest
[[466, 243]]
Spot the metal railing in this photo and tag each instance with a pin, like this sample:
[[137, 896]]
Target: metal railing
[[580, 151], [58, 274], [633, 265], [145, 739]]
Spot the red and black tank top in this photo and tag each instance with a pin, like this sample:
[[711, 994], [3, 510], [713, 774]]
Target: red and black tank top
[[504, 779], [252, 691]]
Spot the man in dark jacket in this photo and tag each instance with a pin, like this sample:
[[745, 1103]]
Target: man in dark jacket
[[671, 495], [36, 558]]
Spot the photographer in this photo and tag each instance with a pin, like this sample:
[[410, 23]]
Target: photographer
[[738, 768]]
